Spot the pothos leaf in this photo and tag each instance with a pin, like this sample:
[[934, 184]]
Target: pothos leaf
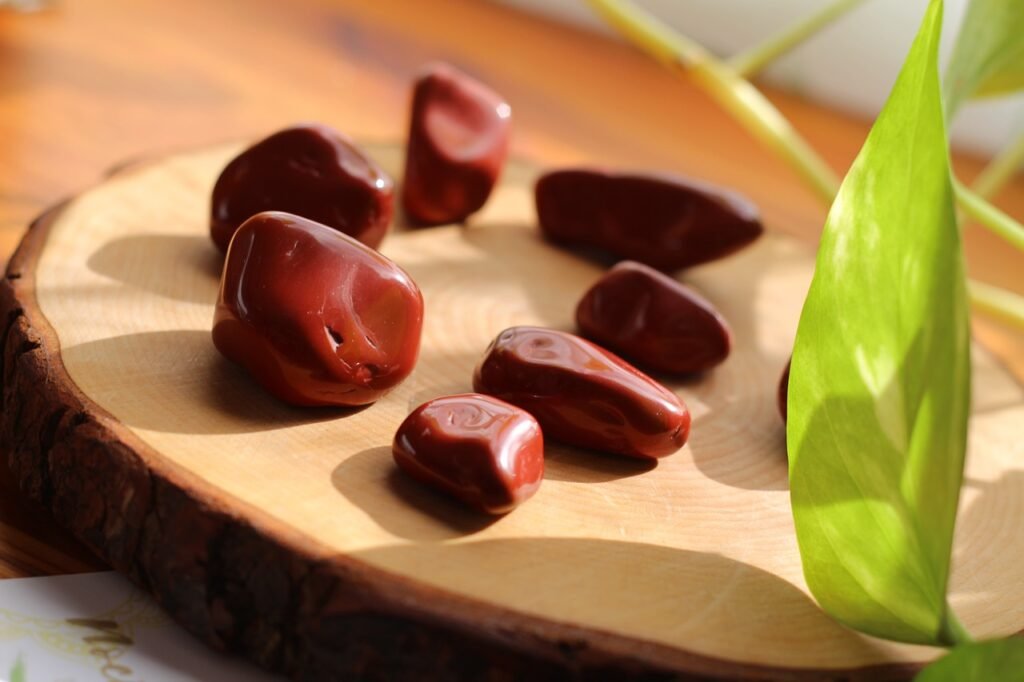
[[17, 673], [989, 55], [998, 659], [880, 378]]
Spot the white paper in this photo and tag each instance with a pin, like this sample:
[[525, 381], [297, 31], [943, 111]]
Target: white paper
[[99, 627]]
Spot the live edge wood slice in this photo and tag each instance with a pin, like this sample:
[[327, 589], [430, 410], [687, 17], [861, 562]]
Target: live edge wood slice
[[287, 535]]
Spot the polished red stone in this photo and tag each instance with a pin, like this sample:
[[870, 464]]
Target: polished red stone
[[315, 316], [783, 391], [581, 394], [458, 140], [659, 220], [653, 320], [477, 448], [312, 171]]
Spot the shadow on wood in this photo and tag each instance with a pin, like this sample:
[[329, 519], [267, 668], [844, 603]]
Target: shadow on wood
[[176, 382], [162, 264], [404, 507], [610, 583]]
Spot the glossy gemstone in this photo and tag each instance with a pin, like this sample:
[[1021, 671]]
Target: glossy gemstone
[[315, 316], [653, 320], [662, 221], [458, 140], [479, 449], [581, 394], [312, 171]]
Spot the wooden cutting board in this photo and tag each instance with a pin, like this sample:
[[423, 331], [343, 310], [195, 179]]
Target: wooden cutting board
[[288, 535]]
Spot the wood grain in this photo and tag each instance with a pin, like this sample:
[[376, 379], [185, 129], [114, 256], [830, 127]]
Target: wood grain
[[173, 466]]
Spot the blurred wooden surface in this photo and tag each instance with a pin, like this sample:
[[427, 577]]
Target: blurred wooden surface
[[84, 86]]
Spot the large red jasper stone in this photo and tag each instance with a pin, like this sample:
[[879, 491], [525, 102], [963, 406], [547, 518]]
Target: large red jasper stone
[[653, 320], [581, 394], [316, 317], [662, 221], [458, 141], [309, 170], [482, 450]]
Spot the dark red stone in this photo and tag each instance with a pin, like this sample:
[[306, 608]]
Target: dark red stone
[[581, 394], [458, 140], [783, 391], [479, 449], [312, 171], [315, 316], [659, 220], [653, 320]]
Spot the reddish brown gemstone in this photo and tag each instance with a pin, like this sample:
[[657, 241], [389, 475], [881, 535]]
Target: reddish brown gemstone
[[458, 140], [783, 391], [479, 449], [312, 171], [659, 220], [582, 394], [653, 320], [315, 316]]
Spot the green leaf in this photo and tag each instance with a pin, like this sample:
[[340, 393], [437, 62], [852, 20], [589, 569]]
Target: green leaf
[[998, 659], [880, 379], [988, 58], [17, 673]]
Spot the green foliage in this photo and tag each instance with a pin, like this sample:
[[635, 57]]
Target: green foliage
[[880, 380], [988, 58], [998, 659], [17, 673]]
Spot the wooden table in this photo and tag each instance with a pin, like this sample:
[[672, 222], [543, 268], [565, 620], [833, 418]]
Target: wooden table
[[84, 86]]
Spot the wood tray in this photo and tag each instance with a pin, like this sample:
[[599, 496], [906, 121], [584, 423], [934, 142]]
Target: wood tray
[[288, 535]]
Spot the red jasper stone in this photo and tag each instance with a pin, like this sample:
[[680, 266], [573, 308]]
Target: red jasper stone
[[581, 394], [653, 320], [458, 140], [315, 316], [479, 449], [659, 220], [312, 171], [783, 391]]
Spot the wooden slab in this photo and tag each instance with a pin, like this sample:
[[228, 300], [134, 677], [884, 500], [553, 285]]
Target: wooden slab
[[287, 534]]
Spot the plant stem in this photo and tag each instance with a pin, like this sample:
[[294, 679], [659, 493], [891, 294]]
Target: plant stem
[[647, 32], [763, 120], [755, 59], [989, 216], [725, 86], [1000, 170], [999, 303], [760, 117], [953, 631]]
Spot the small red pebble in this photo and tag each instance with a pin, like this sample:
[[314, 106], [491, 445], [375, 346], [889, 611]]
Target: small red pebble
[[653, 320], [311, 171], [663, 221], [315, 316], [583, 395], [485, 452], [458, 141]]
